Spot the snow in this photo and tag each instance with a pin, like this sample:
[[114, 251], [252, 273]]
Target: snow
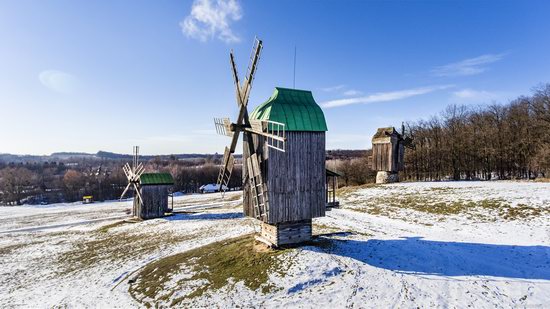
[[369, 253]]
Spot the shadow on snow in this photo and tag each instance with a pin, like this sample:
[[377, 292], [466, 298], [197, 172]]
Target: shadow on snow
[[204, 216], [415, 255]]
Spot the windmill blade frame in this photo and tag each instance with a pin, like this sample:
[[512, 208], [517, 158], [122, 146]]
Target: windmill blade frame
[[125, 190], [139, 171], [251, 71], [127, 171], [274, 133], [224, 176], [242, 102], [136, 187], [223, 126]]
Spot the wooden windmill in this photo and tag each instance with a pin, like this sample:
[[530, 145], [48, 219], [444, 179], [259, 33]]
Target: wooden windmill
[[133, 173], [388, 153], [273, 132], [283, 170], [151, 190]]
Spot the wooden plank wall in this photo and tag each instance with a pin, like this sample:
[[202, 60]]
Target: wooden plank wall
[[155, 202], [382, 156], [388, 156], [287, 233], [295, 178]]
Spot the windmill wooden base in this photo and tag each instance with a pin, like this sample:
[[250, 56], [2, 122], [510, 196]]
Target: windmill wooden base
[[287, 233], [387, 177]]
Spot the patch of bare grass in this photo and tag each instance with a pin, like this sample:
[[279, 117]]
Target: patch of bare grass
[[346, 191], [7, 250], [485, 210], [209, 268], [106, 228]]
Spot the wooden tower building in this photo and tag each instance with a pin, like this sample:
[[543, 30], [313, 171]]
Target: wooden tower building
[[388, 152], [296, 178]]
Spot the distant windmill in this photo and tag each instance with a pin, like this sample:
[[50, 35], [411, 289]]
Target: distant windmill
[[151, 190], [284, 177], [388, 153], [273, 132], [133, 173]]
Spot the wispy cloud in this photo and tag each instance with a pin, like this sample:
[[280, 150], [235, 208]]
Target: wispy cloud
[[384, 96], [343, 89], [212, 19], [479, 96], [466, 67], [58, 81], [352, 92], [333, 88]]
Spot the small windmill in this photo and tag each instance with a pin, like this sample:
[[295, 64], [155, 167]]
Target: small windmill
[[272, 134], [388, 153], [133, 174]]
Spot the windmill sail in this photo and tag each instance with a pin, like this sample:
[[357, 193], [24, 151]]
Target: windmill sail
[[227, 167], [223, 126], [133, 174], [273, 133], [257, 187]]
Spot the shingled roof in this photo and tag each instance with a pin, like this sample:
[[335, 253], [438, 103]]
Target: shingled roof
[[385, 134]]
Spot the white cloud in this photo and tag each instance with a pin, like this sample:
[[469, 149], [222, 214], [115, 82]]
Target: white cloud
[[333, 88], [477, 95], [466, 67], [384, 96], [58, 81], [352, 92], [212, 19]]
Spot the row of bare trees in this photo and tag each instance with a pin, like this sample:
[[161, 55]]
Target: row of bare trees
[[57, 182], [486, 142]]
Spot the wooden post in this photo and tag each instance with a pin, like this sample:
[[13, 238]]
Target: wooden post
[[334, 189]]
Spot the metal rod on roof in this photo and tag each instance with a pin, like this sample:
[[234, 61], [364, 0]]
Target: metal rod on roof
[[294, 82]]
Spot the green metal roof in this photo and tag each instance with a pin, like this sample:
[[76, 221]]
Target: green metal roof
[[156, 179], [295, 108]]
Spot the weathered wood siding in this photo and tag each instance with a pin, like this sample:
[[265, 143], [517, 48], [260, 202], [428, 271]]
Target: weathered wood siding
[[155, 202], [382, 156], [388, 156], [287, 233], [295, 178]]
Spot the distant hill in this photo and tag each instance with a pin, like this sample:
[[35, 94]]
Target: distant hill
[[106, 155], [70, 155], [117, 156], [100, 155]]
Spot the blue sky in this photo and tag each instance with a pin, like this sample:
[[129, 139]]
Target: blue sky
[[107, 75]]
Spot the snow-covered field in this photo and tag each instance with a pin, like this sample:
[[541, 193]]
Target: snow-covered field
[[447, 244]]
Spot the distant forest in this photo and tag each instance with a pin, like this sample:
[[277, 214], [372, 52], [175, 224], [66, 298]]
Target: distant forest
[[496, 141], [71, 178]]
